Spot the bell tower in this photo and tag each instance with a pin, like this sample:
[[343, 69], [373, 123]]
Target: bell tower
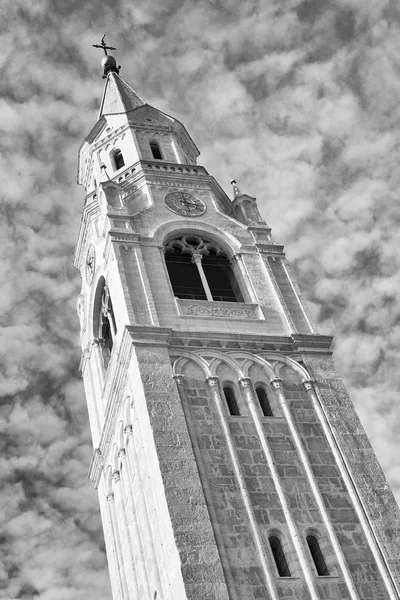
[[229, 461]]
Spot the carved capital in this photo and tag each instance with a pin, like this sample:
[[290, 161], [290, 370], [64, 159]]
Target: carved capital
[[179, 379], [121, 453], [235, 259], [116, 476], [245, 382], [197, 258], [212, 381], [308, 386], [276, 384], [128, 429], [110, 497]]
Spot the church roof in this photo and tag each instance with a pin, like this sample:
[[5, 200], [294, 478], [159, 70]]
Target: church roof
[[118, 97]]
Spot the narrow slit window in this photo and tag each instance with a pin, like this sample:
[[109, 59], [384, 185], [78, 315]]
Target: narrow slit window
[[231, 401], [279, 556], [317, 556], [155, 150], [264, 402], [118, 160]]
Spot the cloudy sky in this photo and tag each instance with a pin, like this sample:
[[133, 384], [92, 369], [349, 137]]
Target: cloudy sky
[[300, 101]]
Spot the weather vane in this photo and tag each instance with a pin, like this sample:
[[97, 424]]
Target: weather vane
[[103, 45]]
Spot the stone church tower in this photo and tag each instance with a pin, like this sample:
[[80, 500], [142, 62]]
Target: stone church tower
[[229, 461]]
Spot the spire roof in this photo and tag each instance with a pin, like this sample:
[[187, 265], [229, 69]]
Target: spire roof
[[118, 97]]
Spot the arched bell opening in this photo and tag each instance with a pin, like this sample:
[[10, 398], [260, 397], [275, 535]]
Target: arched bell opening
[[104, 325], [200, 269]]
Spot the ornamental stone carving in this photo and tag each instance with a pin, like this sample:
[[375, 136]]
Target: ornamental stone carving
[[245, 382], [212, 381], [276, 384], [219, 311], [179, 379]]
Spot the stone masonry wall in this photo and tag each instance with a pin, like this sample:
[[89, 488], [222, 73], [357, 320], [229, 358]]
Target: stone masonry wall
[[200, 562], [218, 466], [349, 532], [373, 489]]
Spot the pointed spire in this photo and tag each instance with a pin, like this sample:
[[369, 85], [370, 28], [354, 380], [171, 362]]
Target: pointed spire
[[236, 190], [118, 96]]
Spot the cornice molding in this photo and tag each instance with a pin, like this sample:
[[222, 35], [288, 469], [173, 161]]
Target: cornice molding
[[307, 343], [142, 335], [124, 236], [270, 248]]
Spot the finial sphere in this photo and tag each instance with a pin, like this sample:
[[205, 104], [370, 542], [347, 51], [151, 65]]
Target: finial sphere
[[109, 65], [108, 61]]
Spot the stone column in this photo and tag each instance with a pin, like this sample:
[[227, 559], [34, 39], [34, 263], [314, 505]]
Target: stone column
[[241, 274], [197, 258]]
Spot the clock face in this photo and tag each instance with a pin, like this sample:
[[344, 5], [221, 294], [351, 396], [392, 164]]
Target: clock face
[[185, 204], [90, 264]]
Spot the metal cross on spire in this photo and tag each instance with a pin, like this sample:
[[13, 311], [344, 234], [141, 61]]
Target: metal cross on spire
[[103, 45]]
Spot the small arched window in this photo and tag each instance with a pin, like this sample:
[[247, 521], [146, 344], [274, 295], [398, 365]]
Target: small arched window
[[279, 556], [317, 555], [118, 160], [155, 150], [231, 402], [264, 402], [200, 270]]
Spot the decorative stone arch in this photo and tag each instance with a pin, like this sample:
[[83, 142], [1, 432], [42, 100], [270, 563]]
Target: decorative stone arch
[[184, 357], [267, 405], [248, 358], [217, 358], [167, 231], [286, 360]]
